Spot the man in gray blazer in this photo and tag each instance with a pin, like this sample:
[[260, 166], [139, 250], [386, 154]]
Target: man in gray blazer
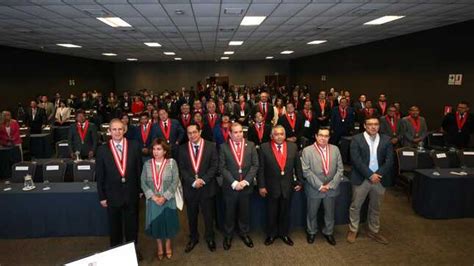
[[238, 165], [413, 128], [372, 163], [323, 171]]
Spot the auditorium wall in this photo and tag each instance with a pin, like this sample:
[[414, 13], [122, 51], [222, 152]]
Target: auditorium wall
[[24, 74], [413, 69]]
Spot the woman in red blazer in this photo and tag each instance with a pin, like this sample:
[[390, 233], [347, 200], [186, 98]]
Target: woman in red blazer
[[9, 130]]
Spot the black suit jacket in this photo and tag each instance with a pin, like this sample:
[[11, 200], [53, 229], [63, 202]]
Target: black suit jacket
[[360, 156], [207, 171], [229, 169], [283, 120], [269, 175], [109, 185], [36, 123], [252, 134], [90, 141], [269, 115]]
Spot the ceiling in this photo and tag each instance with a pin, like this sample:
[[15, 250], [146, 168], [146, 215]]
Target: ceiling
[[204, 28]]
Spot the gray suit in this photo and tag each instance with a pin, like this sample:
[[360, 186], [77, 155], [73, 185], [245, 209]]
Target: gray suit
[[407, 131], [313, 173]]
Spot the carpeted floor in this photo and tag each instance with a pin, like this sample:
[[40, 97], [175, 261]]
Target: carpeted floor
[[413, 240]]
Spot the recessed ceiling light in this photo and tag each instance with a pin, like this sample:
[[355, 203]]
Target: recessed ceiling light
[[179, 12], [152, 44], [317, 42], [229, 52], [224, 58], [68, 45], [382, 20], [178, 58], [236, 43], [114, 22], [109, 54], [287, 52], [269, 57], [132, 59], [252, 20], [169, 53]]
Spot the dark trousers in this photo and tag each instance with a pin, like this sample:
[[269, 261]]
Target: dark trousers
[[236, 206], [123, 221], [207, 207], [278, 216]]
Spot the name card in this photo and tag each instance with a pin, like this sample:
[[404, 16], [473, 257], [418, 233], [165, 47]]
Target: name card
[[408, 153], [136, 119], [21, 168], [441, 155], [63, 144], [47, 128], [52, 167], [23, 136], [437, 134], [23, 128], [105, 126], [83, 167], [469, 153]]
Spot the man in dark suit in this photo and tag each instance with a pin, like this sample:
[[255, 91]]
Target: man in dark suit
[[372, 164], [310, 124], [169, 130], [118, 170], [264, 107], [342, 121], [322, 109], [243, 111], [389, 125], [35, 118], [198, 164], [82, 137], [238, 165], [143, 133], [259, 132], [279, 163], [293, 123], [211, 120], [459, 126]]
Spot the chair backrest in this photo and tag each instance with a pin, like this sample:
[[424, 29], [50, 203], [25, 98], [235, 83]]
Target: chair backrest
[[62, 149], [440, 159], [21, 169], [436, 140], [407, 159], [54, 171], [84, 170], [466, 158]]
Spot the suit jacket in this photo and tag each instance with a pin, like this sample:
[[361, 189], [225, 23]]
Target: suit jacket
[[453, 136], [407, 131], [176, 132], [269, 115], [270, 176], [252, 134], [298, 130], [169, 183], [14, 137], [360, 156], [229, 169], [313, 173], [109, 185], [37, 122], [90, 141], [137, 135], [308, 130], [386, 129], [381, 111], [336, 121], [318, 111], [207, 171]]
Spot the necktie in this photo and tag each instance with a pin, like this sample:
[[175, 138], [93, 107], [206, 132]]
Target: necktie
[[196, 150], [279, 148], [119, 148], [264, 106], [166, 125], [291, 116], [391, 120], [238, 148]]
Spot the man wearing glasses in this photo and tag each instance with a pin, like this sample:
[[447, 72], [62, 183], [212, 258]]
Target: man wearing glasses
[[372, 161], [323, 171]]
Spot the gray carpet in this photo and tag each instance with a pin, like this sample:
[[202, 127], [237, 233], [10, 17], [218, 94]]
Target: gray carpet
[[413, 240]]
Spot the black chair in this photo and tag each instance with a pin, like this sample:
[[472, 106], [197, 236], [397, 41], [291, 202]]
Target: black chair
[[440, 159], [62, 149], [54, 171], [436, 140], [466, 158], [21, 169], [84, 170], [407, 162]]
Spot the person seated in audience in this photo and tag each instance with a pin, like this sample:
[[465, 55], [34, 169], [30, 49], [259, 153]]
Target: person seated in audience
[[212, 117], [222, 130], [63, 113], [390, 124], [137, 106], [129, 128], [258, 131], [279, 109], [170, 106], [360, 105], [48, 107], [264, 107], [296, 100], [243, 112], [82, 137], [398, 113], [342, 121], [332, 99], [347, 96], [9, 131], [221, 106], [155, 116], [382, 105], [231, 108], [84, 103], [458, 126], [413, 128], [126, 102], [185, 116], [35, 118]]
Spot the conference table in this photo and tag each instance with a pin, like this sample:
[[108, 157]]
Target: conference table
[[64, 210], [60, 132], [8, 157], [444, 196], [41, 145]]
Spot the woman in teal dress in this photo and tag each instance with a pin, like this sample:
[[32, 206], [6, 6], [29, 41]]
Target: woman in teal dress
[[159, 181]]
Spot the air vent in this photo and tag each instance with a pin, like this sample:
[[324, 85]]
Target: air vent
[[96, 12], [170, 33], [233, 11], [362, 11], [226, 29], [128, 29]]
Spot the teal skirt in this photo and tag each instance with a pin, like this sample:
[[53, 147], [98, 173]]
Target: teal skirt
[[162, 222]]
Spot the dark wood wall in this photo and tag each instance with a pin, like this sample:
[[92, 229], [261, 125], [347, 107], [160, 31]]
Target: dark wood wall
[[413, 69]]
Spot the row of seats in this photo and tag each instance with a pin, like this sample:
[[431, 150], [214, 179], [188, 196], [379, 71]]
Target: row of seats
[[54, 171]]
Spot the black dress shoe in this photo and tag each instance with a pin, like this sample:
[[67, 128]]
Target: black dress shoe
[[269, 240], [287, 240], [310, 238], [247, 241], [330, 239], [227, 243], [211, 245], [190, 246]]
